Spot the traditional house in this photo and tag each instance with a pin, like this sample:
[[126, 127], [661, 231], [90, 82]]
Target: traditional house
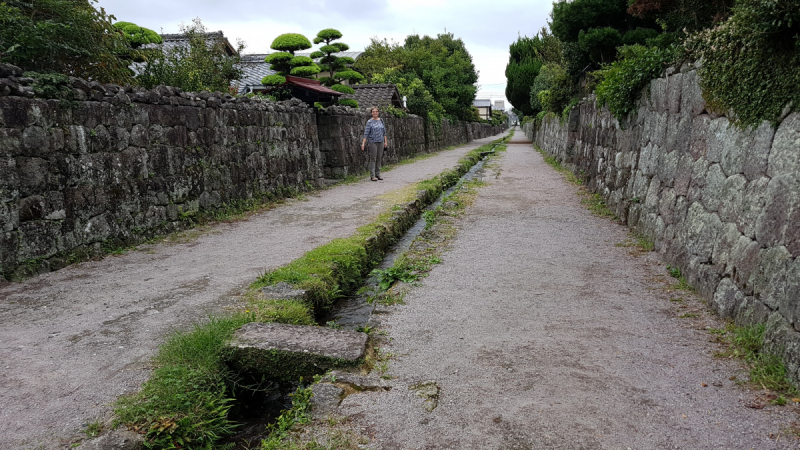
[[255, 69], [484, 107], [380, 95]]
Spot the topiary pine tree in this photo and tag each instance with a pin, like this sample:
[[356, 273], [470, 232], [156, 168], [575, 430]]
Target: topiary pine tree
[[335, 65], [286, 63], [137, 36]]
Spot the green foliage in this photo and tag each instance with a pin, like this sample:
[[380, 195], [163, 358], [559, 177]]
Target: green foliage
[[568, 18], [300, 61], [766, 369], [551, 90], [136, 35], [599, 44], [273, 80], [681, 15], [621, 83], [442, 63], [349, 75], [293, 312], [639, 36], [71, 37], [286, 63], [202, 65], [304, 71], [419, 100], [750, 62], [343, 89], [336, 66], [279, 58], [185, 403], [298, 414], [386, 278], [51, 85], [348, 102], [290, 42], [327, 35], [527, 56]]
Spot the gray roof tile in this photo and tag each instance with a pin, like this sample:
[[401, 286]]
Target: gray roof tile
[[380, 95]]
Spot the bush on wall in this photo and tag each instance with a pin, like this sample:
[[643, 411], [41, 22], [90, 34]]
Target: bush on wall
[[751, 63]]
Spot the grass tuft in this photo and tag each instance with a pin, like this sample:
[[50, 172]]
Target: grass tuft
[[767, 370]]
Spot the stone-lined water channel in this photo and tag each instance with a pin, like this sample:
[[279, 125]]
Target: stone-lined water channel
[[254, 412]]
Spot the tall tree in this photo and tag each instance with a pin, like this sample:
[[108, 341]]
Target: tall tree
[[336, 66], [71, 37], [286, 63]]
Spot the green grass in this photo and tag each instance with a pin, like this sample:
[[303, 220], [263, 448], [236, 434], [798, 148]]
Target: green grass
[[186, 401], [643, 243], [766, 370], [682, 284], [597, 206]]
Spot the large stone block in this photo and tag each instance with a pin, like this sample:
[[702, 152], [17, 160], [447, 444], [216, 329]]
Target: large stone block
[[726, 241], [674, 90], [757, 152], [769, 277], [33, 175], [700, 232], [726, 298], [286, 352], [732, 198], [719, 131], [753, 201], [784, 157], [692, 103], [783, 194], [714, 188], [698, 140], [743, 259]]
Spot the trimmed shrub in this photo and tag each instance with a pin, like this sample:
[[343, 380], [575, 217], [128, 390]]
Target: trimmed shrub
[[290, 42], [343, 89], [348, 102], [273, 80]]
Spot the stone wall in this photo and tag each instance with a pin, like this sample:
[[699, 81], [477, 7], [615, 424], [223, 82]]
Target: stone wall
[[341, 131], [121, 164], [720, 203]]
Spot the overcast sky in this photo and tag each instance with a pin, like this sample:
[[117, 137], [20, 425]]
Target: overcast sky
[[487, 27]]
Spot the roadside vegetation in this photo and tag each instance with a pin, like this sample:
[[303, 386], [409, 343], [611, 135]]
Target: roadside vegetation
[[750, 51]]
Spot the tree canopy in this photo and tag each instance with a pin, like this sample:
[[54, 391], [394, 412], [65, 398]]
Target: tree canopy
[[442, 64], [286, 63], [71, 37], [202, 65]]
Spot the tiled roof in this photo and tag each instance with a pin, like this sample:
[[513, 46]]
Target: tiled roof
[[481, 103], [380, 95], [255, 68], [181, 40]]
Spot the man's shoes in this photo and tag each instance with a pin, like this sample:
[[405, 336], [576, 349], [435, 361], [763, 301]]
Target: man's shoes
[[380, 178]]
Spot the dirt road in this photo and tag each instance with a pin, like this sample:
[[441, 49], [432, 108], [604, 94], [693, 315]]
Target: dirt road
[[542, 332], [73, 340]]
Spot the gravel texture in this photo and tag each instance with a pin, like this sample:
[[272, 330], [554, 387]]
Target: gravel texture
[[540, 332], [74, 340]]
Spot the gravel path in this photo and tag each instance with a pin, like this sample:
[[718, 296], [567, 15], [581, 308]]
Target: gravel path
[[542, 333], [73, 340]]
